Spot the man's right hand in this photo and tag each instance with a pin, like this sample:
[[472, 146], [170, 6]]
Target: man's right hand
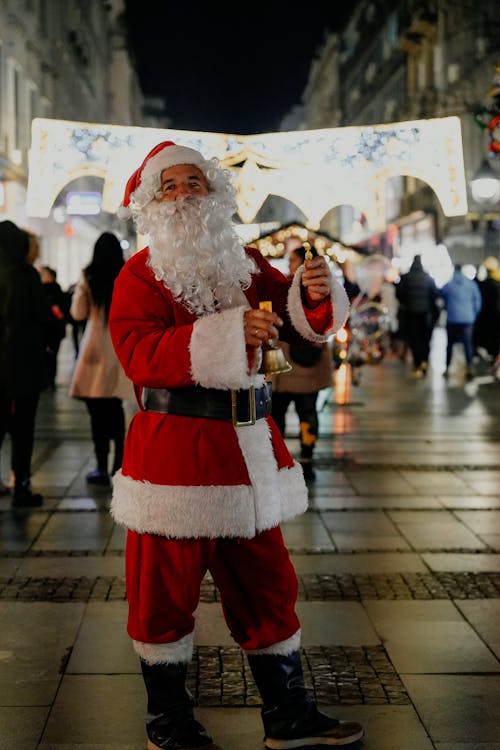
[[260, 326]]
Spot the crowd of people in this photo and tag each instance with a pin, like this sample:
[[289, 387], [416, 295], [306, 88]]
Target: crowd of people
[[34, 313], [469, 311]]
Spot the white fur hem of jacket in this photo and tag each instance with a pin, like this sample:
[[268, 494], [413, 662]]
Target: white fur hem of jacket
[[186, 512]]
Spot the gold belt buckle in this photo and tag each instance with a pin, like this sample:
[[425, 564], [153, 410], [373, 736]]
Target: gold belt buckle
[[251, 408]]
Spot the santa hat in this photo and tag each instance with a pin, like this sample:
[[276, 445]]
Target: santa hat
[[164, 155]]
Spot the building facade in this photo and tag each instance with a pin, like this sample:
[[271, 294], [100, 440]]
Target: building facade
[[402, 60], [69, 60]]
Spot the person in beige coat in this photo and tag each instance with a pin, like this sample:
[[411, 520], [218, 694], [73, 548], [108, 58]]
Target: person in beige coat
[[312, 370], [98, 378]]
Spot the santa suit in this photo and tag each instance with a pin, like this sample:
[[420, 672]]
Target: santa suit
[[200, 494]]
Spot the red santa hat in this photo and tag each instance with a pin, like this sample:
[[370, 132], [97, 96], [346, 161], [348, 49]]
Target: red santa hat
[[164, 155]]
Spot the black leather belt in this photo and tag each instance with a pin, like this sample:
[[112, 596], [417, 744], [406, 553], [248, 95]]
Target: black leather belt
[[242, 407]]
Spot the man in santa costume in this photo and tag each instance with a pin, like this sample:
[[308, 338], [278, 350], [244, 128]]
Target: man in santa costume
[[206, 477]]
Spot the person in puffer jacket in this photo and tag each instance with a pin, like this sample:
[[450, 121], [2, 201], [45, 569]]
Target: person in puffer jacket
[[206, 477], [417, 294], [462, 300]]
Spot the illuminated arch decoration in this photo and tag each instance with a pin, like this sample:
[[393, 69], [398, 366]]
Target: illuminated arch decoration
[[315, 169]]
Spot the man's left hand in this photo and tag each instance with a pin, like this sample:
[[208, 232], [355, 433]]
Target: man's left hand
[[316, 280]]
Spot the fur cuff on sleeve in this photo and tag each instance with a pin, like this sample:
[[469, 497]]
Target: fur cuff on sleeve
[[340, 304], [218, 352]]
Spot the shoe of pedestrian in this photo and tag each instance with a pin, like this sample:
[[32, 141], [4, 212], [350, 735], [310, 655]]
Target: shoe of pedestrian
[[424, 367], [469, 374], [417, 373], [24, 497], [98, 477]]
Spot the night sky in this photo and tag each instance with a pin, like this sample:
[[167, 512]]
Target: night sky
[[236, 71]]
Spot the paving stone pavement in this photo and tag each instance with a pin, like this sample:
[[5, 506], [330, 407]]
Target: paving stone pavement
[[397, 558]]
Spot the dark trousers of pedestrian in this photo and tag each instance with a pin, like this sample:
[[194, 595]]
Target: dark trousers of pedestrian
[[305, 406], [51, 355], [460, 333], [17, 417], [107, 421], [419, 333]]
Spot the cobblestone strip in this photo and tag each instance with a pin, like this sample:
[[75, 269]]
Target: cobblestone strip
[[220, 676], [313, 587]]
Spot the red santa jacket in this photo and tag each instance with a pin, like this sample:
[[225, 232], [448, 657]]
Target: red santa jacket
[[191, 477]]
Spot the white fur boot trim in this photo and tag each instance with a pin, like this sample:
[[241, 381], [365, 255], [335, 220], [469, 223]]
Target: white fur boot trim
[[283, 648], [166, 653]]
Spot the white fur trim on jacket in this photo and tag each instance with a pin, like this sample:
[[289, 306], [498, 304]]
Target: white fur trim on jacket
[[283, 648], [209, 512], [218, 351], [340, 304], [180, 651]]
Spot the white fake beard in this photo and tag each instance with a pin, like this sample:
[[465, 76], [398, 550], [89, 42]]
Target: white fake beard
[[195, 251]]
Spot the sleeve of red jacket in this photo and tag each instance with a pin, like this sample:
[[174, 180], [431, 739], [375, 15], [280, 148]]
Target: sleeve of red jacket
[[313, 324]]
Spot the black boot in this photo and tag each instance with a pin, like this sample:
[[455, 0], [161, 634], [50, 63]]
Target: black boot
[[170, 723], [306, 461], [290, 715], [24, 497]]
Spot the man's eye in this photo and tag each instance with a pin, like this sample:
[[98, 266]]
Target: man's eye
[[195, 185], [165, 188]]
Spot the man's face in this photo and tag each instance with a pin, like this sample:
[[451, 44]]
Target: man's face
[[181, 181]]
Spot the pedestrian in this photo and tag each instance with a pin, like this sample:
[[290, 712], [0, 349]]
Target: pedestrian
[[207, 478], [462, 300], [418, 293], [57, 326], [98, 378], [24, 320], [487, 325], [77, 326], [312, 370]]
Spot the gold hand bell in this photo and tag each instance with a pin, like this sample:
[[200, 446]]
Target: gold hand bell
[[307, 248], [273, 359]]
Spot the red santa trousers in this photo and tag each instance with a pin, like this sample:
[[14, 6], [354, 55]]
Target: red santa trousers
[[255, 577]]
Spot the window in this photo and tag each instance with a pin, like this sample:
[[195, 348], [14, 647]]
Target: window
[[32, 107], [14, 106]]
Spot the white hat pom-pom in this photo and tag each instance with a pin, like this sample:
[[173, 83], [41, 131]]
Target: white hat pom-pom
[[124, 213]]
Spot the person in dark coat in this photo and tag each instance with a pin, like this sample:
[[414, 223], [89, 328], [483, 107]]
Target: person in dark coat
[[24, 317], [57, 328], [487, 326], [418, 294], [312, 370]]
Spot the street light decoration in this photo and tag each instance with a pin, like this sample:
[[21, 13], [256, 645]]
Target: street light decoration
[[485, 185]]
